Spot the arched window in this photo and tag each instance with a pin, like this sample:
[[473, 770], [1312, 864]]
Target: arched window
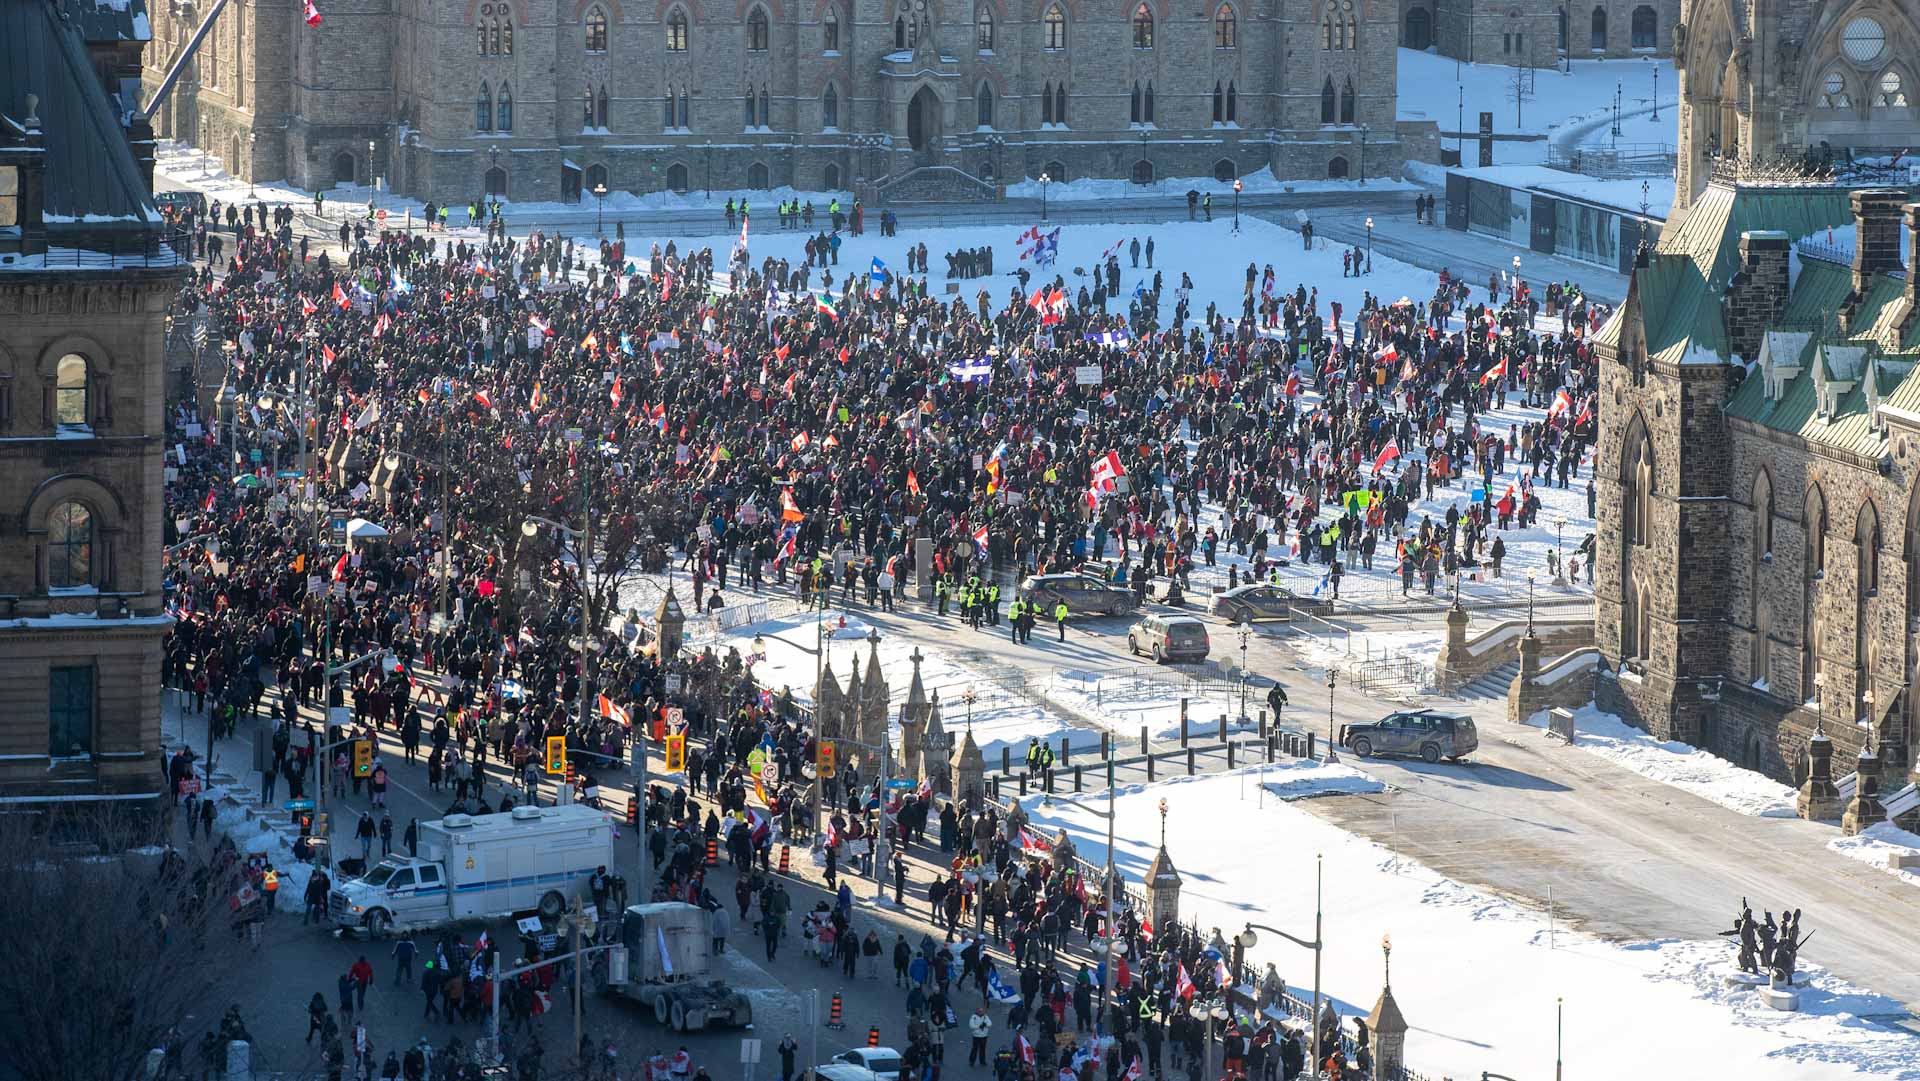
[[830, 108], [1762, 555], [483, 110], [1060, 103], [1599, 37], [830, 178], [983, 28], [506, 35], [597, 177], [765, 112], [1326, 31], [983, 105], [586, 108], [1645, 28], [496, 182], [677, 31], [1046, 104], [480, 31], [1056, 171], [830, 32], [1327, 101], [757, 31], [1143, 172], [1134, 114], [1233, 103], [503, 110], [682, 120], [1866, 602], [666, 109], [1337, 168], [1890, 92], [757, 176], [69, 547], [1055, 22], [1142, 27], [1226, 28], [677, 177], [600, 109], [1224, 171], [747, 101], [1833, 92], [1814, 570], [73, 392], [596, 30], [345, 169], [1219, 104], [1147, 113], [1346, 102], [900, 32]]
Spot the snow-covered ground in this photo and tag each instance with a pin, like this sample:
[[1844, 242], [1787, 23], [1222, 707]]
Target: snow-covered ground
[[1096, 189], [1678, 764], [1419, 646], [1875, 844], [1477, 976], [1434, 87]]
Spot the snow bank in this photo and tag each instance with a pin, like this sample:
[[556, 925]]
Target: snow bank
[[1678, 764], [1477, 975], [253, 835], [1262, 182], [1434, 87], [1877, 843]]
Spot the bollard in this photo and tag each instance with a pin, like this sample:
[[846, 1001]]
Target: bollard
[[1310, 753], [1076, 778], [1066, 750], [1149, 767], [1263, 723], [786, 858], [713, 852], [996, 789], [1006, 760], [1269, 742], [1190, 761], [1183, 722], [1223, 728], [1047, 780], [1106, 744], [1023, 784], [873, 1036], [833, 1013], [1229, 756], [1144, 749]]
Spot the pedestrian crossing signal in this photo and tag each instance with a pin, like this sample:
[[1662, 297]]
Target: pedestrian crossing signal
[[633, 810], [556, 756], [824, 760], [676, 753], [363, 758]]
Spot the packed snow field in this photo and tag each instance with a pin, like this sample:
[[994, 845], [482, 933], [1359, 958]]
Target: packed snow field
[[1574, 106], [1681, 765], [1476, 975]]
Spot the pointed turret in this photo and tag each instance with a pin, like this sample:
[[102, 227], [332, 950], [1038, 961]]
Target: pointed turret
[[913, 717], [969, 771], [936, 752], [873, 701]]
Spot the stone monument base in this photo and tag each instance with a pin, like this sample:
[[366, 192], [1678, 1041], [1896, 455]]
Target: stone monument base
[[1737, 979], [1784, 999]]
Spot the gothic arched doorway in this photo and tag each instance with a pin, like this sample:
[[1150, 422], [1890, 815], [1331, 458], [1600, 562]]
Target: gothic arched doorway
[[1419, 32], [923, 120]]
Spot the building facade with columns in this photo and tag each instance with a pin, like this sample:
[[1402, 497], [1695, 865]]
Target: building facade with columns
[[550, 99]]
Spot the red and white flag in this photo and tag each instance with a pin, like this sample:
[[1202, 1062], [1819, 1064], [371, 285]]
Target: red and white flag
[[1183, 984], [340, 297], [307, 307], [913, 483], [1562, 401], [980, 538], [1498, 371], [312, 13], [1107, 467], [617, 391], [1586, 414], [1134, 1072], [1387, 454], [481, 396], [340, 568], [610, 710], [1026, 1049], [798, 442]]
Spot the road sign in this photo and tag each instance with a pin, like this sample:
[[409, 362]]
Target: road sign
[[298, 805], [673, 683], [676, 719], [899, 782], [337, 524]]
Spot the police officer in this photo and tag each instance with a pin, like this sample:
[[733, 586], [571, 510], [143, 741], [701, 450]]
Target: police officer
[[940, 593], [993, 604], [1013, 621], [1060, 618]]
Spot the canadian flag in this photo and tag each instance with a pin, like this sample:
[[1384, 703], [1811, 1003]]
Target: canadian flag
[[312, 13], [1107, 467], [1293, 384], [1387, 355], [1586, 414], [1562, 401], [1134, 1072], [326, 355], [798, 442], [1498, 371], [1026, 1049], [980, 538], [307, 307], [1387, 454], [381, 324], [208, 505], [617, 391], [485, 401], [1146, 927], [613, 712], [340, 568], [340, 297], [1183, 984], [913, 483]]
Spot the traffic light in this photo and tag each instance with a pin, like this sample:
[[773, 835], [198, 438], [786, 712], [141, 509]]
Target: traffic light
[[556, 756], [304, 819], [633, 810], [676, 753], [824, 759], [320, 824], [363, 758]]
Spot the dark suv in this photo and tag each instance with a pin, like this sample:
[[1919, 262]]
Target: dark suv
[[1430, 735]]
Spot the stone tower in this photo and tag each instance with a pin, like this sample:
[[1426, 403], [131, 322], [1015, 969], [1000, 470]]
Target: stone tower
[[827, 702], [872, 721], [913, 718], [969, 771], [672, 622], [846, 725], [1163, 890], [1388, 1025], [1758, 77], [1664, 463], [936, 752]]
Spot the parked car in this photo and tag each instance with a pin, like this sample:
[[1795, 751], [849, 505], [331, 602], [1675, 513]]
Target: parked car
[[882, 1062], [182, 199], [1169, 638], [1083, 594], [1264, 600], [1424, 732], [840, 1071]]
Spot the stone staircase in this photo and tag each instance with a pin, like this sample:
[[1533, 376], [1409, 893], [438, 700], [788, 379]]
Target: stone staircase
[[1494, 684], [933, 184], [245, 796]]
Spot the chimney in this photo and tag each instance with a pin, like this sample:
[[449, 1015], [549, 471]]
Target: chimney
[[1876, 245], [1757, 293]]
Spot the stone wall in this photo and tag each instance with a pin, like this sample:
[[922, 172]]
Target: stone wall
[[1566, 681], [1463, 659]]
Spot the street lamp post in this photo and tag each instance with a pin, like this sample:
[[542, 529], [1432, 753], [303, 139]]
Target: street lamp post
[[1529, 604], [1369, 243], [1237, 186], [1246, 940], [1045, 179], [600, 210], [1332, 678], [1514, 292], [1559, 551], [1209, 1014], [1246, 634], [1656, 91]]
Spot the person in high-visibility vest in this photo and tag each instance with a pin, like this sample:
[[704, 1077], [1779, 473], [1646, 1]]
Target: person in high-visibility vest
[[1060, 619], [270, 885]]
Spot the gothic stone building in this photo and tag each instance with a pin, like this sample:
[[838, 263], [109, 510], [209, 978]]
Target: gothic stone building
[[1539, 33], [85, 282], [549, 99]]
